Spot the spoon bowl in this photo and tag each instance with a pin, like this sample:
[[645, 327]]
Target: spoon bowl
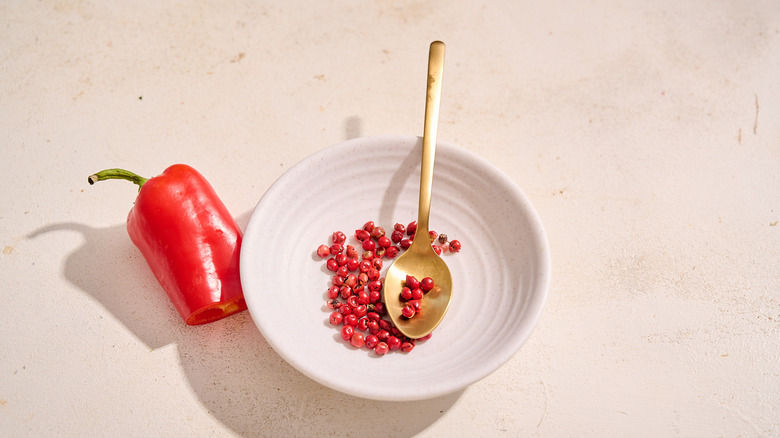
[[420, 260]]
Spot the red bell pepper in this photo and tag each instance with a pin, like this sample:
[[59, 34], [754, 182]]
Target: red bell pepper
[[189, 240]]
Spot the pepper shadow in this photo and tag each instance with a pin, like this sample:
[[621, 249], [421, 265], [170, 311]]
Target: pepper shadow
[[112, 271], [236, 375]]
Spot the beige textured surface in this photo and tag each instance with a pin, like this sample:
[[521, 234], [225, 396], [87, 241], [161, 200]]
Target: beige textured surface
[[647, 136]]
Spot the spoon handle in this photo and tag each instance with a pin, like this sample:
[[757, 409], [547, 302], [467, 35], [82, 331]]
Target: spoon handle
[[433, 97]]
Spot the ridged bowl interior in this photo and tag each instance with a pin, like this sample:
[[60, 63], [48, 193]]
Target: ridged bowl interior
[[500, 278]]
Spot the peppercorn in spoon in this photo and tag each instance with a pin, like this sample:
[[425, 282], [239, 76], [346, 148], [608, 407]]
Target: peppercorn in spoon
[[420, 260]]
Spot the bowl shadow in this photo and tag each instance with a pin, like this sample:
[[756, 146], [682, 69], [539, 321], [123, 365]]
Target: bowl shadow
[[235, 373]]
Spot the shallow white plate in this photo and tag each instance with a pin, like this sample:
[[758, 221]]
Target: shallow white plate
[[500, 277]]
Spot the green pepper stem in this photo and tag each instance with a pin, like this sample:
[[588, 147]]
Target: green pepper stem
[[117, 174]]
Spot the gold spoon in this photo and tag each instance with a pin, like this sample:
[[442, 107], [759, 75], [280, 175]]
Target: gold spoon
[[420, 260]]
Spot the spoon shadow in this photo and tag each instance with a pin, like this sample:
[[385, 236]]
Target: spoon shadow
[[409, 167], [237, 376]]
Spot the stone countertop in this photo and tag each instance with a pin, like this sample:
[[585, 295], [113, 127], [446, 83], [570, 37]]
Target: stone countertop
[[645, 134]]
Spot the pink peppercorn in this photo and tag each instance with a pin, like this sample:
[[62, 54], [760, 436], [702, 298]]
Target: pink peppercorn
[[391, 252], [375, 285], [357, 340], [384, 242], [369, 245], [350, 319], [393, 342], [381, 348], [377, 232], [323, 251], [360, 311], [412, 282], [338, 237], [346, 332]]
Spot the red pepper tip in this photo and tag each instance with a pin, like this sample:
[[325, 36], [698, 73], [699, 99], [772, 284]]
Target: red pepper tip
[[217, 311]]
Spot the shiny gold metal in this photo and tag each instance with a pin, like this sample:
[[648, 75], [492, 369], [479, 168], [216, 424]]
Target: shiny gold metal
[[420, 260]]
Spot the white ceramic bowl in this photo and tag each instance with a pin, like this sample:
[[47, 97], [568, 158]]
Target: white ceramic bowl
[[500, 278]]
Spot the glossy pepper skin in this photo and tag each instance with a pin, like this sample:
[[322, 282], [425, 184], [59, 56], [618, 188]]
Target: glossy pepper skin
[[189, 240]]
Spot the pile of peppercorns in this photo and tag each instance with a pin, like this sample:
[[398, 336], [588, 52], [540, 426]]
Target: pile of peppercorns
[[355, 294]]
